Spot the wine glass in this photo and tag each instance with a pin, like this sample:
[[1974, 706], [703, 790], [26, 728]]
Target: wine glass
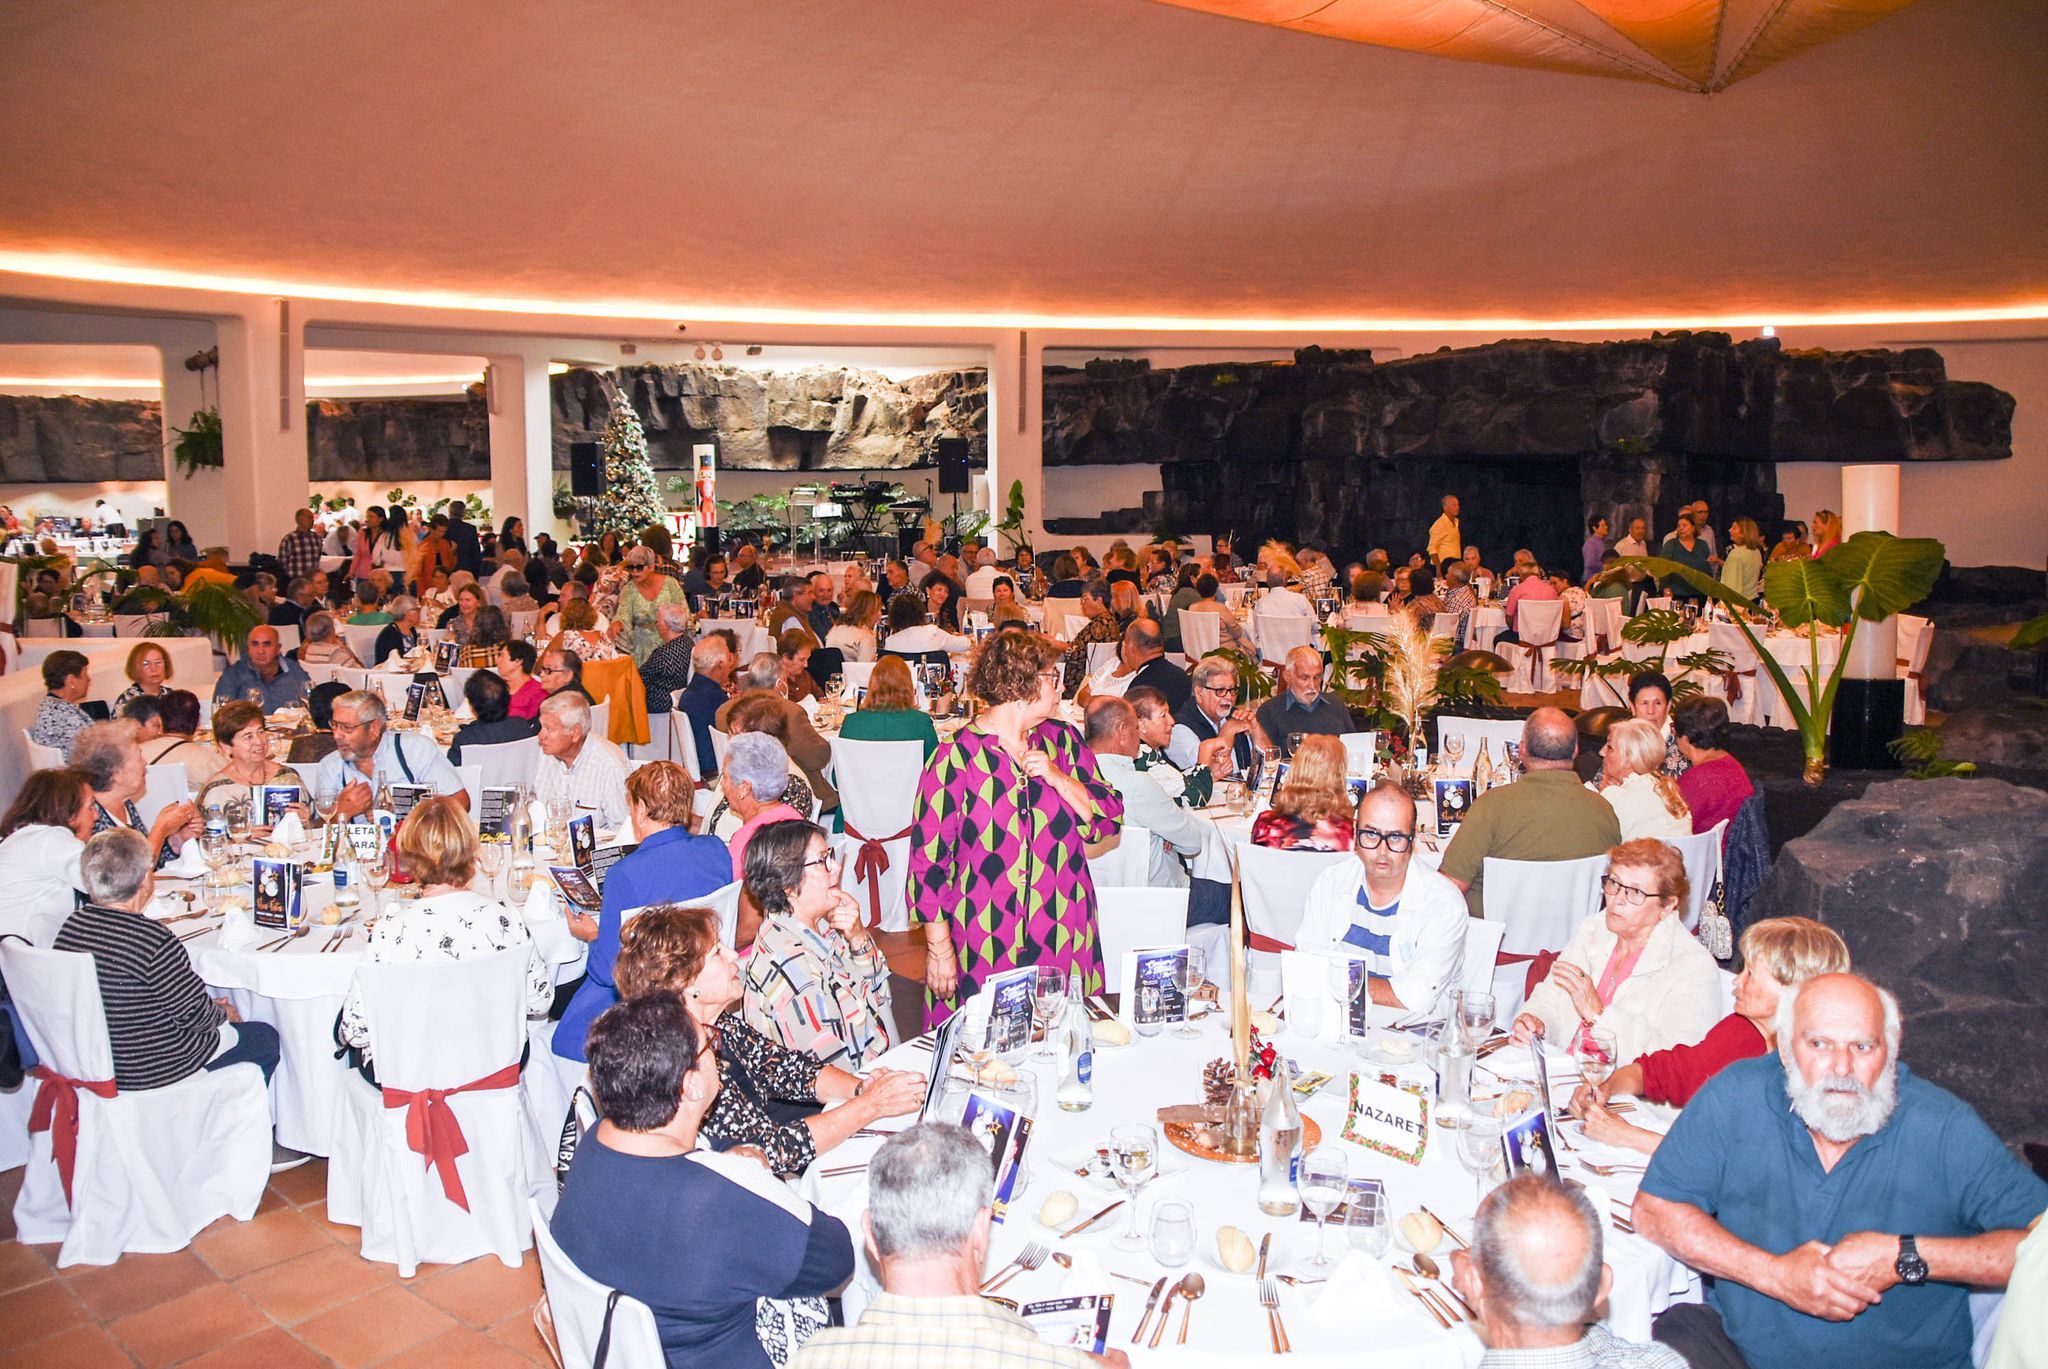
[[1173, 1234], [237, 813], [1475, 1018], [1594, 1050], [378, 873], [977, 1041], [490, 858], [1134, 1155], [1453, 749], [1324, 1176], [1365, 1223], [213, 846], [1338, 969], [519, 883], [1048, 997], [1192, 968], [1294, 741], [1479, 1148]]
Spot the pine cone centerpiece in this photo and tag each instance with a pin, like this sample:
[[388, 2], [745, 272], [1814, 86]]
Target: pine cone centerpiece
[[1217, 1077]]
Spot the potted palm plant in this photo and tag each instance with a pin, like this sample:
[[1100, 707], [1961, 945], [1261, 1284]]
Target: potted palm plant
[[1866, 579]]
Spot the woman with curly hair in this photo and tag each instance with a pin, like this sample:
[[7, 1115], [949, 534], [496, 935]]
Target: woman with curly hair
[[1004, 814], [1312, 807]]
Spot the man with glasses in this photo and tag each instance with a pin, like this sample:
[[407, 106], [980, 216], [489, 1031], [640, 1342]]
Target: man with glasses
[[368, 756], [1405, 921], [1302, 709], [1210, 729], [1545, 815]]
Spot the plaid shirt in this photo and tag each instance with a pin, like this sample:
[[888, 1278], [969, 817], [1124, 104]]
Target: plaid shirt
[[300, 552], [934, 1333], [810, 990], [1599, 1348]]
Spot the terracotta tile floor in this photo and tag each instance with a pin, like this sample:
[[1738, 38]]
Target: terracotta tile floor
[[284, 1289]]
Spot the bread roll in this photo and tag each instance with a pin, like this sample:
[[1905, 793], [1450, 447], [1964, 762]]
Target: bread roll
[[1059, 1209], [1112, 1033], [1422, 1231], [1235, 1250]]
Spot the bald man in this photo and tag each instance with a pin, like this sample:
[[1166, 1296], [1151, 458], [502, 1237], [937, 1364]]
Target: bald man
[[264, 675], [1536, 1277], [1545, 815], [1855, 1209]]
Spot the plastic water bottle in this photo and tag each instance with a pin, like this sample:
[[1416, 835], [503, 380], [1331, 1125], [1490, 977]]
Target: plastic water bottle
[[1077, 1069], [346, 898], [1280, 1133]]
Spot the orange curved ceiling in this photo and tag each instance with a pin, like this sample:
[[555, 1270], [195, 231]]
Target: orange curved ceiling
[[1040, 159], [1698, 45]]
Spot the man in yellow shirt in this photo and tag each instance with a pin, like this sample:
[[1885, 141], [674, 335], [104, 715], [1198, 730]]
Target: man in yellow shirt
[[213, 571], [1446, 540]]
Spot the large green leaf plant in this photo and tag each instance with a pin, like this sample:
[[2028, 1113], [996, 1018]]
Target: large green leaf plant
[[1866, 579]]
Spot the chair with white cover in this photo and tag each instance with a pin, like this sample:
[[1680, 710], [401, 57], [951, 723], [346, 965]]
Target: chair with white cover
[[1539, 903], [287, 636], [1701, 853], [42, 627], [877, 787], [1495, 732], [317, 674], [1361, 753], [137, 624], [719, 741], [1444, 625], [362, 640], [601, 718], [1745, 689], [1482, 955], [856, 674], [725, 901], [1128, 863], [164, 786], [521, 623], [1071, 625], [472, 777], [448, 1038], [586, 1311], [1127, 917], [504, 762], [1916, 640], [682, 743], [150, 1169], [1276, 885], [1200, 633], [1279, 634], [1102, 657], [1539, 623], [41, 757], [1656, 601], [1603, 625]]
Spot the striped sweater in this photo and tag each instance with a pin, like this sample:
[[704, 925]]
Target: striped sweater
[[162, 1022]]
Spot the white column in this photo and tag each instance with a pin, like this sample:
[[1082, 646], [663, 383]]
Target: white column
[[1016, 449], [522, 441], [199, 501], [1870, 503], [263, 423]]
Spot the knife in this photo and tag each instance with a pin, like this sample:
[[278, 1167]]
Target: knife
[[1150, 1302], [1075, 1230], [1447, 1230], [1265, 1246]]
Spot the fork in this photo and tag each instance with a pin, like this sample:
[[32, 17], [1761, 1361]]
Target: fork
[[1032, 1256], [1269, 1298], [1609, 1171]]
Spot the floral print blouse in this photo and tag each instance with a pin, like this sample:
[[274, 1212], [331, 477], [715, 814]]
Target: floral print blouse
[[754, 1071]]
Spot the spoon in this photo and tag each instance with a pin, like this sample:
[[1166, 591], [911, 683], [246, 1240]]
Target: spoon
[[1191, 1288], [1427, 1267]]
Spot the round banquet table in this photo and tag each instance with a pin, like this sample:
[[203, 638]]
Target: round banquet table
[[1228, 1324], [299, 989], [1792, 651]]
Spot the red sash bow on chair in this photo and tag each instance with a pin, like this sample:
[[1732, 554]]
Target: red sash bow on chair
[[1259, 941], [1539, 963], [1733, 680], [432, 1130], [56, 1111], [870, 864]]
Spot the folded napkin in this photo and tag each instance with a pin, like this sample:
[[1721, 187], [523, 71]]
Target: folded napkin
[[1363, 1292], [289, 830], [238, 931], [190, 864], [1087, 1275]]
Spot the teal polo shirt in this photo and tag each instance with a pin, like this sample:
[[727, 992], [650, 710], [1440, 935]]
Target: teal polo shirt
[[1740, 1154]]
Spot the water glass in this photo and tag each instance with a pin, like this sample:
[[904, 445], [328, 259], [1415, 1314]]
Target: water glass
[[1453, 749], [977, 1043], [490, 859], [1365, 1223], [1173, 1234], [1190, 980], [519, 884], [1594, 1050], [1134, 1156], [1048, 1000], [1322, 1184], [1479, 1149], [1475, 1018]]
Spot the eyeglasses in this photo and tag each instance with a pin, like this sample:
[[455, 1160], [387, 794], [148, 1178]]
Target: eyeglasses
[[828, 858], [1370, 839], [1625, 893]]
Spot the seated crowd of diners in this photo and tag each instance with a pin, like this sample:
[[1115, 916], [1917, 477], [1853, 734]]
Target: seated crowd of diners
[[1794, 1158]]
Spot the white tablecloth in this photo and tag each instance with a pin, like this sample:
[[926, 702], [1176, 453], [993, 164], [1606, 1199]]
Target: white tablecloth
[[21, 689], [1791, 650], [299, 989], [1228, 1324]]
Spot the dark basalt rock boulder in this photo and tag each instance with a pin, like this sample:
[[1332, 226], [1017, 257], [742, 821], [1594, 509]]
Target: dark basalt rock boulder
[[65, 439], [396, 440], [1936, 886], [815, 419]]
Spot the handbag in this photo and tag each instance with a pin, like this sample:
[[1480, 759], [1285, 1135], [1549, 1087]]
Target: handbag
[[1715, 932]]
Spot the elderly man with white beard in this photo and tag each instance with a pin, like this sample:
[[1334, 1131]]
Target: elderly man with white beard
[[1844, 1206]]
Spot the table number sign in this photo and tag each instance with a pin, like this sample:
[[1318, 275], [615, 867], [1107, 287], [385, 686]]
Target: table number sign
[[1151, 986], [1388, 1118], [495, 818], [404, 796], [279, 897], [415, 700], [445, 654], [1453, 802], [1009, 996], [366, 839]]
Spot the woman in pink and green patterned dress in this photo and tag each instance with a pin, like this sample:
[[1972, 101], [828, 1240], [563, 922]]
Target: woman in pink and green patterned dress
[[998, 859]]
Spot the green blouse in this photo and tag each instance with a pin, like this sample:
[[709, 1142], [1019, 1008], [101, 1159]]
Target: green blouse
[[891, 725]]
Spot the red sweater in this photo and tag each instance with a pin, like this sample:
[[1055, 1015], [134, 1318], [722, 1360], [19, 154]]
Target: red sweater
[[1714, 791], [1674, 1076]]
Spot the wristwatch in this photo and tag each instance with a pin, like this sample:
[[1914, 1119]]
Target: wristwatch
[[1911, 1269]]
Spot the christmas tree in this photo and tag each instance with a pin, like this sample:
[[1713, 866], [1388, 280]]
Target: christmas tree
[[631, 500]]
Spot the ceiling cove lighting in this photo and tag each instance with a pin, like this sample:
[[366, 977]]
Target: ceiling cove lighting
[[59, 266], [156, 382]]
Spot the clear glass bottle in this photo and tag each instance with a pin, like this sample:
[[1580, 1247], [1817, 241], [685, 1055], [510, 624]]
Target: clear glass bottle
[[1279, 1144], [1482, 770], [346, 878], [1077, 1065]]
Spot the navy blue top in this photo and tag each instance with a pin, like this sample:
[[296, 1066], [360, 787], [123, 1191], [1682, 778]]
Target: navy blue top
[[697, 1238], [700, 700], [1740, 1154], [669, 867]]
